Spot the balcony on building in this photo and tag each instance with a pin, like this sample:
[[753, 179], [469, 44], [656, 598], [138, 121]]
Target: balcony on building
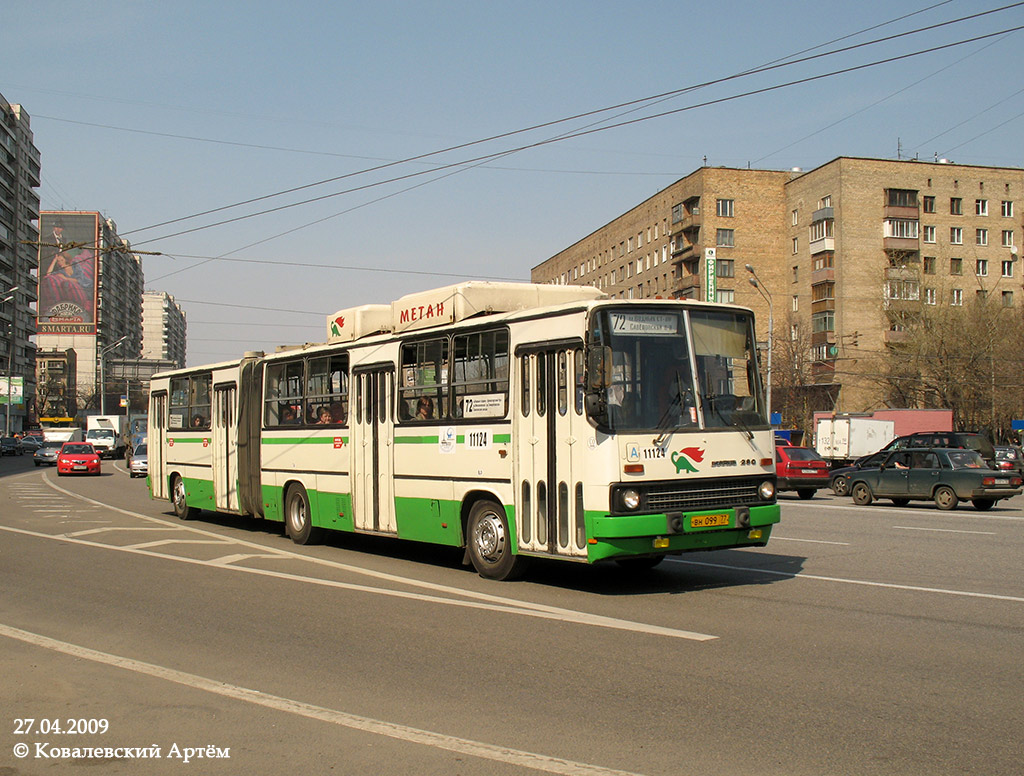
[[685, 283], [893, 337], [900, 244]]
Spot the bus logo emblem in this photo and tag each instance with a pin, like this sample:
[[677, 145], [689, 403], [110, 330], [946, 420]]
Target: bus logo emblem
[[683, 457]]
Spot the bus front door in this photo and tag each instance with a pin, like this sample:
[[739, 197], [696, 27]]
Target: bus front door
[[156, 440], [551, 430], [373, 493]]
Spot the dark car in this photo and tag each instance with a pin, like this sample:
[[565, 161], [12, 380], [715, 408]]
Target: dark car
[[800, 469], [11, 446], [945, 476], [32, 442], [947, 439], [840, 478], [1010, 458]]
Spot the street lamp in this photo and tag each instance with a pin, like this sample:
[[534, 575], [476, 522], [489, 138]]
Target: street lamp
[[755, 281], [103, 359], [10, 361]]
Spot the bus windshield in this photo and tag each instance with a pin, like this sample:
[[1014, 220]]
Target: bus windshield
[[650, 371]]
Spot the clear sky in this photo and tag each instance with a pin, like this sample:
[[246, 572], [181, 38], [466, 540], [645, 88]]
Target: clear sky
[[150, 112]]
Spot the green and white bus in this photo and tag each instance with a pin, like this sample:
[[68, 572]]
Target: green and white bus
[[513, 420]]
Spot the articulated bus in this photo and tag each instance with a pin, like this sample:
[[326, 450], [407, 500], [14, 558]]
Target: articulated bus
[[513, 420]]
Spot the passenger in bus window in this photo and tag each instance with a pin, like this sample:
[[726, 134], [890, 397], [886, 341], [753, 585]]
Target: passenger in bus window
[[197, 421], [288, 415], [325, 417], [339, 412], [425, 408]]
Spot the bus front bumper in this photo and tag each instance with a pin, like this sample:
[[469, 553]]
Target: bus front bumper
[[619, 536]]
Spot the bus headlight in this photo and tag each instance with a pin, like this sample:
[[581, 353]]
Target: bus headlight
[[767, 490], [630, 499]]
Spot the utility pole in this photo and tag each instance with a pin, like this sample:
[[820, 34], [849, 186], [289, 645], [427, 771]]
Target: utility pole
[[10, 359]]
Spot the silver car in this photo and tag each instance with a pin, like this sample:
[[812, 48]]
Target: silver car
[[47, 454], [138, 465]]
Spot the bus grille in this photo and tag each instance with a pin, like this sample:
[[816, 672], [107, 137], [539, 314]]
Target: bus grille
[[704, 494]]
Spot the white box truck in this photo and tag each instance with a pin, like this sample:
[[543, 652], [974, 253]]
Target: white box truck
[[847, 438], [106, 433]]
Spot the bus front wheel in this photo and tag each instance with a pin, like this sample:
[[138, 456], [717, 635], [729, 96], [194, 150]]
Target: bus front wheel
[[297, 517], [181, 507], [489, 542]]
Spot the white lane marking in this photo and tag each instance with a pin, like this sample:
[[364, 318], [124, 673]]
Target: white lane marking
[[165, 542], [378, 727], [511, 607], [229, 559], [945, 530], [500, 601], [864, 582], [809, 541], [115, 528]]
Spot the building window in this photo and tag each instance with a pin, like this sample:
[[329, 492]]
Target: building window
[[981, 207], [629, 245], [981, 236], [928, 265], [796, 273], [825, 201], [725, 238], [796, 303], [677, 213], [901, 227], [795, 217], [956, 266], [903, 290], [956, 297], [981, 294], [1007, 298], [725, 268], [928, 234], [824, 260], [1008, 269], [822, 229], [824, 321], [821, 292], [981, 268], [929, 296], [796, 245], [725, 295], [902, 198], [1007, 238], [956, 206], [929, 204], [725, 208], [956, 235], [1007, 208]]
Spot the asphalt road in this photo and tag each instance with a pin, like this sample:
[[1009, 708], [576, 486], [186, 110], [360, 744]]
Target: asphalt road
[[862, 640]]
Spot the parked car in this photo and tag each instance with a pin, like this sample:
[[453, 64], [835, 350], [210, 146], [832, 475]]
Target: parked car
[[1010, 458], [11, 446], [947, 439], [839, 480], [138, 464], [47, 454], [78, 458], [945, 476], [800, 469]]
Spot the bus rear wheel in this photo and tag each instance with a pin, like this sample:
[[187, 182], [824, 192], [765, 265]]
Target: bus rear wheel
[[489, 542], [297, 518], [178, 495]]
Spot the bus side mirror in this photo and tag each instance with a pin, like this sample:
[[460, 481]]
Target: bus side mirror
[[599, 361]]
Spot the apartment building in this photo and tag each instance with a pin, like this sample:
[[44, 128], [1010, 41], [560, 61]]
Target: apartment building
[[89, 296], [843, 252], [164, 328], [19, 209]]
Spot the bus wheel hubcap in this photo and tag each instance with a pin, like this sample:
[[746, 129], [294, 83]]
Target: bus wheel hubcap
[[490, 537]]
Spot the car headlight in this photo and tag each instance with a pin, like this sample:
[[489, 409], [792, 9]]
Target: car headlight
[[767, 490], [630, 499]]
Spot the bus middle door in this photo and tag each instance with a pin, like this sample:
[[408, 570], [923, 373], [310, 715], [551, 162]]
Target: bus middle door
[[373, 493]]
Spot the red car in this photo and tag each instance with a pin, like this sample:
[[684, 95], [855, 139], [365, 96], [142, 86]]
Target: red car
[[77, 458], [800, 469]]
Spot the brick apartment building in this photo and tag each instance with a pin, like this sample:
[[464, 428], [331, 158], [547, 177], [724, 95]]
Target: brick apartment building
[[845, 251]]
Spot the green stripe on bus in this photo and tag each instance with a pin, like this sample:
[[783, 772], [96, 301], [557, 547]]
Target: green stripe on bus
[[498, 439], [301, 440]]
